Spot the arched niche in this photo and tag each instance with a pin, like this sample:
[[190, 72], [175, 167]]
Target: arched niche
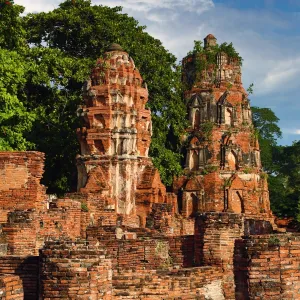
[[194, 160], [228, 116], [99, 146], [232, 160], [236, 202], [123, 121], [82, 176], [120, 147], [195, 203], [84, 148], [99, 121], [235, 197], [196, 120]]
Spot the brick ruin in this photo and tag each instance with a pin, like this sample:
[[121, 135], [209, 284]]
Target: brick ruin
[[121, 235]]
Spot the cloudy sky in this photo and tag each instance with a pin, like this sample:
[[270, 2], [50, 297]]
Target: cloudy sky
[[265, 32]]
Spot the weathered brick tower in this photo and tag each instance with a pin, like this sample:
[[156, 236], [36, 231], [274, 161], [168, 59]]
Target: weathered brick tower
[[223, 170], [116, 137]]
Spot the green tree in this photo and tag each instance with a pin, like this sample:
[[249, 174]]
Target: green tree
[[265, 123], [15, 119], [282, 163], [65, 44], [285, 183], [12, 35]]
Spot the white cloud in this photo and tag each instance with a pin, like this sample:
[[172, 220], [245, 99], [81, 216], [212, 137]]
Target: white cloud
[[38, 5], [161, 16], [198, 6], [291, 131], [283, 73]]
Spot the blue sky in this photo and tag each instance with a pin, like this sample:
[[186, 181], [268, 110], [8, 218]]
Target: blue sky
[[266, 33]]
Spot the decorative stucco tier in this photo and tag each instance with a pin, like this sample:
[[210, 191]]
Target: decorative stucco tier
[[116, 137], [223, 169]]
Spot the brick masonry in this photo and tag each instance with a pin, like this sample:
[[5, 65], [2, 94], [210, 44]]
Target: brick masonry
[[271, 264], [74, 271], [11, 288], [121, 235], [26, 268]]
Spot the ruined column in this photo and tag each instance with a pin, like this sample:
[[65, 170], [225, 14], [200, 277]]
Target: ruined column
[[72, 270]]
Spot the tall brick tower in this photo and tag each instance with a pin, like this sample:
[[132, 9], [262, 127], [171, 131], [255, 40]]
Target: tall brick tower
[[223, 169], [116, 137]]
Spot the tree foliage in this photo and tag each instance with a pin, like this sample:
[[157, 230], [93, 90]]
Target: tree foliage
[[212, 51], [15, 119], [282, 163], [265, 123], [285, 182]]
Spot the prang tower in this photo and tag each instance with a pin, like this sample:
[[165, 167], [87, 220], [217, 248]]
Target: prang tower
[[223, 169], [115, 139]]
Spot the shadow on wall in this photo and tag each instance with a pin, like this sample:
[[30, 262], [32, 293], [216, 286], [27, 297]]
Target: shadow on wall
[[28, 270], [241, 277]]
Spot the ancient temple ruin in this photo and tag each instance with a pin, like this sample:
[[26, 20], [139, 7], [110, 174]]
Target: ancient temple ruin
[[116, 138], [223, 171], [121, 235]]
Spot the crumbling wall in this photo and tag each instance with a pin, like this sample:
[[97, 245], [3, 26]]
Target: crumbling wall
[[26, 231], [271, 264], [163, 219], [20, 188], [11, 288], [215, 235], [189, 284], [20, 233], [182, 250], [127, 251], [27, 268], [71, 270], [62, 219]]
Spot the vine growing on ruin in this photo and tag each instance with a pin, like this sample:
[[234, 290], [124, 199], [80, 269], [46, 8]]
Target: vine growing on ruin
[[205, 59], [206, 129]]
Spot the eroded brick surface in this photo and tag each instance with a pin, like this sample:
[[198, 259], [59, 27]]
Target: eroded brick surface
[[271, 263], [11, 288]]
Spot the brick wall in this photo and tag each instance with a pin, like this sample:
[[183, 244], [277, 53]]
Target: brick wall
[[162, 219], [11, 288], [20, 188], [72, 270], [215, 235], [26, 231], [272, 266], [141, 248], [27, 268], [137, 254], [20, 233], [62, 219], [193, 283], [182, 250]]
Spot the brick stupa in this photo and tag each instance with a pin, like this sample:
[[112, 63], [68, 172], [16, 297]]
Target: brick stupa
[[116, 137], [223, 171]]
